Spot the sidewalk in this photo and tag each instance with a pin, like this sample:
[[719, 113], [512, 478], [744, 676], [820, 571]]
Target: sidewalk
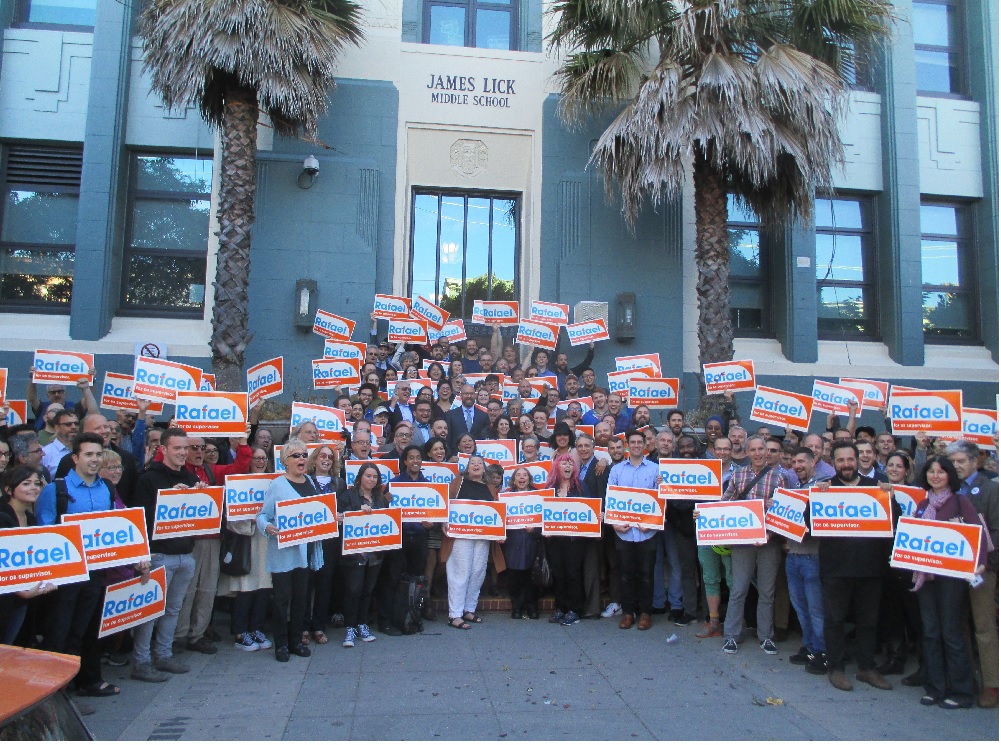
[[517, 680]]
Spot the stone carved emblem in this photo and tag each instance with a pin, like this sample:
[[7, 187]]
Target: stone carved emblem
[[469, 157]]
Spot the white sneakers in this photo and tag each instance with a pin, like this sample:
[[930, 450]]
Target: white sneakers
[[613, 609]]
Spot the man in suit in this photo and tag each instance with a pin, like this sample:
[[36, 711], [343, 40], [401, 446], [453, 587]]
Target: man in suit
[[399, 405], [594, 478], [466, 418], [422, 423]]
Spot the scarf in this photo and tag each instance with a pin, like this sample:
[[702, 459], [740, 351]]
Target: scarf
[[936, 501]]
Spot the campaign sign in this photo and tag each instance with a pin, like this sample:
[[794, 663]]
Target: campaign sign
[[784, 408], [688, 478], [306, 519], [378, 530], [587, 332], [572, 516], [208, 382], [925, 411], [540, 384], [874, 391], [18, 413], [420, 503], [453, 331], [53, 553], [851, 512], [264, 380], [979, 426], [638, 361], [504, 452], [328, 373], [328, 420], [334, 349], [473, 518], [388, 467], [619, 380], [188, 512], [654, 393], [62, 367], [439, 473], [495, 312], [937, 547], [735, 523], [586, 405], [538, 333], [539, 471], [244, 494], [212, 413], [116, 393], [723, 377], [833, 399], [131, 603], [161, 380], [425, 310], [112, 538], [3, 385], [554, 313], [634, 507], [407, 331], [331, 326], [524, 508], [787, 515], [908, 498], [391, 306]]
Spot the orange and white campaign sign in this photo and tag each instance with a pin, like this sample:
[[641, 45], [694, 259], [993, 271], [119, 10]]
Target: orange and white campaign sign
[[908, 498], [833, 399], [504, 452], [524, 508], [328, 420], [637, 508], [587, 332], [979, 426], [586, 405], [334, 373], [424, 310], [344, 350], [378, 530], [439, 473], [420, 502], [538, 333], [331, 326], [18, 413], [391, 306], [495, 312], [538, 471], [208, 382], [116, 394], [62, 367], [244, 493], [473, 518], [131, 603], [851, 512], [112, 538], [654, 393], [3, 385], [306, 519], [691, 478], [735, 523], [407, 331], [188, 512], [572, 516], [784, 408], [619, 380], [936, 547], [212, 413], [388, 467], [266, 380], [925, 411], [640, 361], [875, 391], [454, 331], [787, 514], [161, 380], [53, 553], [540, 384], [557, 314], [723, 377]]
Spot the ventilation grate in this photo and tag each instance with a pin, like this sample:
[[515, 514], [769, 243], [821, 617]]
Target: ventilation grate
[[32, 165], [589, 310]]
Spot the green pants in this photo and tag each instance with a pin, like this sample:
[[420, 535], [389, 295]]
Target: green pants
[[712, 569]]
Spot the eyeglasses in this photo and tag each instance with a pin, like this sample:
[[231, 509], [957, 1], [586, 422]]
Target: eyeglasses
[[119, 467], [298, 456], [196, 447], [74, 423], [260, 458], [4, 453], [57, 391]]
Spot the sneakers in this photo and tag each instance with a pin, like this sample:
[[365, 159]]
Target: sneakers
[[300, 650], [711, 629], [768, 647], [261, 640], [281, 654], [570, 619], [349, 637], [682, 619], [246, 643], [613, 609], [557, 617], [171, 665], [802, 657], [817, 664], [730, 646], [146, 673], [365, 634], [202, 645]]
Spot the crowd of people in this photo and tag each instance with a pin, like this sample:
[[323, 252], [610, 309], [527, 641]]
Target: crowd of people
[[851, 606]]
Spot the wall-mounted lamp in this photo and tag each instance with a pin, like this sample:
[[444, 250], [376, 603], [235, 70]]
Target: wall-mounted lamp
[[310, 167], [625, 316], [305, 303]]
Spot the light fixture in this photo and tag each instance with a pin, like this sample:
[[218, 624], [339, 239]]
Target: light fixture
[[625, 316], [310, 167], [305, 303]]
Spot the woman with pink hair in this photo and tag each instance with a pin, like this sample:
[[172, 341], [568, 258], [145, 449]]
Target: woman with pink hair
[[566, 553]]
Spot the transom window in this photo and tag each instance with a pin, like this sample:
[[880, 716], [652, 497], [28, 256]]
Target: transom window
[[487, 24], [57, 13], [748, 272], [947, 270], [845, 296], [938, 52]]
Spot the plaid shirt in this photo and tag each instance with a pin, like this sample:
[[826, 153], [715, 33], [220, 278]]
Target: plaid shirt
[[742, 476]]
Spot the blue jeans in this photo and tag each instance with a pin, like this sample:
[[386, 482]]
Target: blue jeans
[[803, 576], [180, 570], [667, 550]]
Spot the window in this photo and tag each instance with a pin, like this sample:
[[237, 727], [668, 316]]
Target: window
[[845, 298], [57, 13], [487, 24], [748, 273], [947, 273], [41, 193], [168, 230], [937, 46], [464, 247]]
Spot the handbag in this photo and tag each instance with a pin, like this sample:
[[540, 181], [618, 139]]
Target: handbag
[[234, 554], [542, 576]]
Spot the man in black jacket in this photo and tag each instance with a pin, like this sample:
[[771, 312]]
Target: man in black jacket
[[594, 478], [466, 418], [174, 554]]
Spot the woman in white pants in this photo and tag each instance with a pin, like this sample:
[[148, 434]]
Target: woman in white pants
[[467, 563]]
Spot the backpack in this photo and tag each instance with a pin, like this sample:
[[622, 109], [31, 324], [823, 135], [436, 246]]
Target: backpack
[[408, 604]]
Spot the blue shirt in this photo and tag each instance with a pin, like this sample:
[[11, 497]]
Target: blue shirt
[[643, 476], [83, 498]]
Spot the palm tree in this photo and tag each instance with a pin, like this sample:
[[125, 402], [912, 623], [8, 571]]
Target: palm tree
[[744, 94], [234, 59]]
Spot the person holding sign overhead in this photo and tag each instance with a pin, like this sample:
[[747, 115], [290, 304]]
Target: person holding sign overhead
[[466, 558]]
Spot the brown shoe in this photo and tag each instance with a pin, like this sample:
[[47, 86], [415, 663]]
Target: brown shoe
[[627, 621], [645, 622], [874, 679], [988, 698], [839, 680], [711, 629]]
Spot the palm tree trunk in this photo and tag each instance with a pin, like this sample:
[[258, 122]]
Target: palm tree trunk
[[237, 186]]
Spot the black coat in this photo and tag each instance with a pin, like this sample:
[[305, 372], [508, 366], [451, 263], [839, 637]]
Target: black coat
[[456, 421], [154, 478]]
